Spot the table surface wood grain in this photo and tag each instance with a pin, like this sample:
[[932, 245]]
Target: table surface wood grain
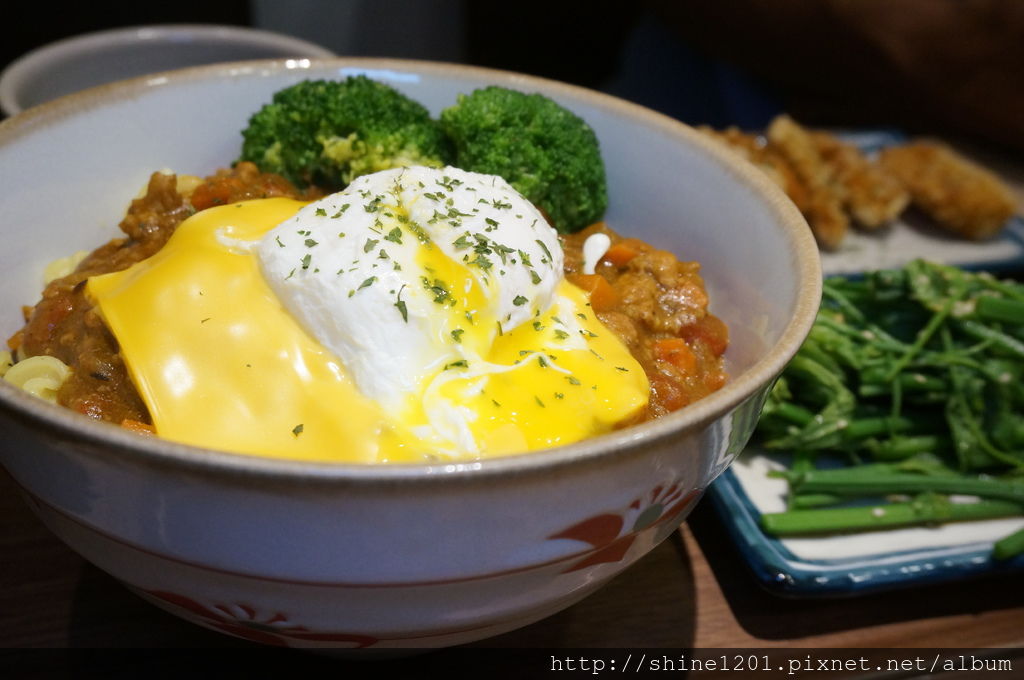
[[693, 591]]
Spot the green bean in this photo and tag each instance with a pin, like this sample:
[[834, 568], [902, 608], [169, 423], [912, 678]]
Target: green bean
[[922, 339], [843, 302], [1010, 289], [902, 447], [794, 413], [868, 482], [999, 339], [803, 501], [1010, 546], [876, 335], [874, 385], [863, 428], [926, 509], [993, 308]]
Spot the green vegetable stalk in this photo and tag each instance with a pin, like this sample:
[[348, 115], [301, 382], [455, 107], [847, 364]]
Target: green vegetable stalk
[[924, 510], [1008, 547]]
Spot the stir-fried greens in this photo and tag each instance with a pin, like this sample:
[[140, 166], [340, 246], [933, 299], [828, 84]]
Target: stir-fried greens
[[915, 377]]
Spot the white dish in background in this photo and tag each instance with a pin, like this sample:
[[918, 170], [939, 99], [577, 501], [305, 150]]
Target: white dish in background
[[903, 241], [90, 59], [911, 236]]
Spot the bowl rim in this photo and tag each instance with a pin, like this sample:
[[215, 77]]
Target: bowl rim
[[16, 73], [108, 441]]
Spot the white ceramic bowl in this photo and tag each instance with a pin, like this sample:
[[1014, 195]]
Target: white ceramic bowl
[[91, 59], [385, 556]]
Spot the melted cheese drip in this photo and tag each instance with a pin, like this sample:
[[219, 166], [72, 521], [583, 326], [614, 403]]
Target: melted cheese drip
[[221, 364]]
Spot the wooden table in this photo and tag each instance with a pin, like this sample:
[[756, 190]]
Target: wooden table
[[692, 592]]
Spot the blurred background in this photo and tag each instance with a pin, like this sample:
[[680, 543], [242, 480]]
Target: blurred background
[[946, 67]]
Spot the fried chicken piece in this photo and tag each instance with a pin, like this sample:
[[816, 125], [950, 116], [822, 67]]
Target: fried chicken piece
[[829, 180], [823, 204], [957, 193], [871, 194], [751, 147], [755, 148]]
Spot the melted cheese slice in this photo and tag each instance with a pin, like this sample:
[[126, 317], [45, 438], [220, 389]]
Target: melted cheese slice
[[218, 361], [221, 364]]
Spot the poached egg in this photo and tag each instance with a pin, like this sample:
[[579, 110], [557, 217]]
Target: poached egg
[[419, 314]]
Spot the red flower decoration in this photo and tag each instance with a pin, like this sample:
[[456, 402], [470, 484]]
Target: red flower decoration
[[242, 621], [604, 531]]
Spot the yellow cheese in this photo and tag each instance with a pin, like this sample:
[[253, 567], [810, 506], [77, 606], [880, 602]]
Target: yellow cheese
[[218, 361]]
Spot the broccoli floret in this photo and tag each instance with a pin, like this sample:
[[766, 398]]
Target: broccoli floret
[[327, 133], [546, 152]]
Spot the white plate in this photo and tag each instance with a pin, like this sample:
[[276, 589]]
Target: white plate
[[913, 236]]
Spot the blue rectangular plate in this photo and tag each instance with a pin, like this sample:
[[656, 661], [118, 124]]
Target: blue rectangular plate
[[890, 566], [886, 559]]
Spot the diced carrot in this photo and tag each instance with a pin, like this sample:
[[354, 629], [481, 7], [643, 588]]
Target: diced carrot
[[676, 352], [602, 296], [710, 331], [713, 380], [136, 426], [667, 392], [217, 191], [206, 196], [621, 253]]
